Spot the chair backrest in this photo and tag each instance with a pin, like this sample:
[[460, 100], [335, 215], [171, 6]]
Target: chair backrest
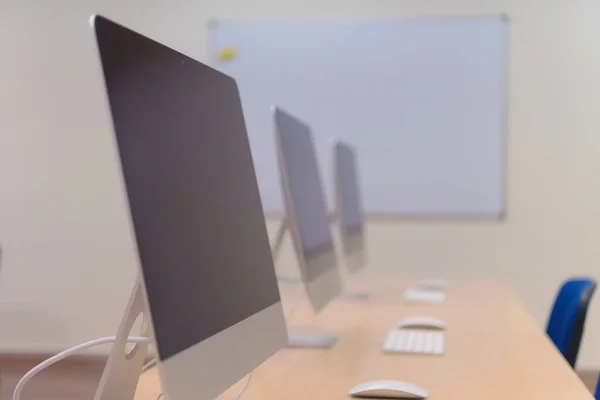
[[567, 320]]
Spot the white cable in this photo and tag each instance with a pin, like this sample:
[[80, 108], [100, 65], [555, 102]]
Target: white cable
[[244, 388], [62, 355], [149, 365], [132, 339]]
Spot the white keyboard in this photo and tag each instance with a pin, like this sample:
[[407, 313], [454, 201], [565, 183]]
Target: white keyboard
[[414, 341]]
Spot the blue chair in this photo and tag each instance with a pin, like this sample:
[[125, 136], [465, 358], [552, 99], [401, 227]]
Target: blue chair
[[567, 320]]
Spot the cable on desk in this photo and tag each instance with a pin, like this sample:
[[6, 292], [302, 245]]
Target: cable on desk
[[240, 394], [149, 365], [64, 354]]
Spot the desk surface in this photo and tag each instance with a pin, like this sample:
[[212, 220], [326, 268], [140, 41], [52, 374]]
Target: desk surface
[[494, 350]]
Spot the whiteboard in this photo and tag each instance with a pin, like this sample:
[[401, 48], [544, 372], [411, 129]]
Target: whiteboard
[[422, 100]]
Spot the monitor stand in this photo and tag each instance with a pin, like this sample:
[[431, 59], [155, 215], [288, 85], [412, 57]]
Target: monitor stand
[[311, 340], [299, 340], [276, 249], [122, 370], [276, 246]]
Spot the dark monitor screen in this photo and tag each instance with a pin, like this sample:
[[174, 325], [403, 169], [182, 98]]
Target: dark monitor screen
[[191, 186]]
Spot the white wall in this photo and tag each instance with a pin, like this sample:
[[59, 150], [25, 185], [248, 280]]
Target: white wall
[[69, 262]]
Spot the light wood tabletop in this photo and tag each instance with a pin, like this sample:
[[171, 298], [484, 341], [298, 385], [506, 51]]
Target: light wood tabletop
[[494, 350]]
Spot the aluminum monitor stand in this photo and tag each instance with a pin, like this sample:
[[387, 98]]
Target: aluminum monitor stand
[[278, 244], [122, 370], [299, 340], [350, 295]]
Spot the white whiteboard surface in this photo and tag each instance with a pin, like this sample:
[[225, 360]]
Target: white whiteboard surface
[[422, 100]]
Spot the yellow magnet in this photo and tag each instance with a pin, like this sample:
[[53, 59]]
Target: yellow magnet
[[227, 53]]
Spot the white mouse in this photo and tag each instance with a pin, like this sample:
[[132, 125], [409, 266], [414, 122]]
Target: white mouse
[[389, 389], [422, 322], [424, 296]]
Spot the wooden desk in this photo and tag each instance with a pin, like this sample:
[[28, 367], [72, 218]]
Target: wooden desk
[[494, 350]]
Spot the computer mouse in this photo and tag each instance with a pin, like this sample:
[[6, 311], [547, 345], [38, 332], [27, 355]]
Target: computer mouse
[[424, 296], [422, 322], [389, 390]]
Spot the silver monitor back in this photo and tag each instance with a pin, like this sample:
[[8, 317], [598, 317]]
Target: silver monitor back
[[349, 209], [305, 208], [205, 263]]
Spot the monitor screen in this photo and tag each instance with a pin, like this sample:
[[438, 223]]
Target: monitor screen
[[189, 177]]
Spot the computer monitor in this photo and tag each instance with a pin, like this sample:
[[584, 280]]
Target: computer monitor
[[305, 208], [306, 218], [349, 208], [205, 264]]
